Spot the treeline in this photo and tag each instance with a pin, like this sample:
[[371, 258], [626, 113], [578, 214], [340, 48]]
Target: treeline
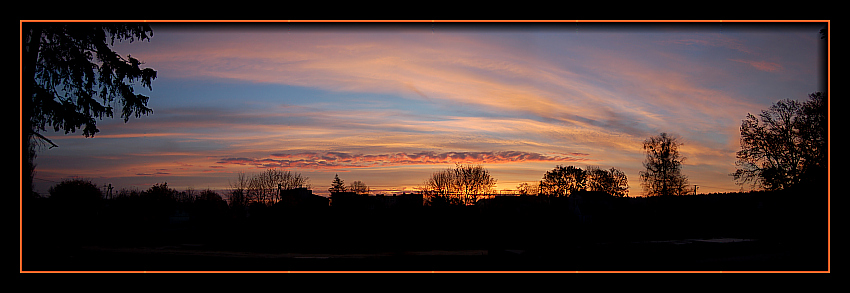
[[162, 216], [466, 184], [556, 222]]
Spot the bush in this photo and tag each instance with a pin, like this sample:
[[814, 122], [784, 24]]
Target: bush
[[76, 191], [72, 216]]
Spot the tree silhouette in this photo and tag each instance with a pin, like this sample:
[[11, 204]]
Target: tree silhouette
[[663, 175], [785, 146], [209, 207], [160, 192], [69, 77], [265, 187], [157, 203], [238, 199], [527, 189], [338, 185], [562, 181], [460, 185], [611, 181], [439, 189], [359, 187]]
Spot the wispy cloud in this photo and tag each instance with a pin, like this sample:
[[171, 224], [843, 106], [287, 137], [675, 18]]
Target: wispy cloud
[[761, 65], [153, 174], [621, 94], [334, 100], [713, 41], [336, 160]]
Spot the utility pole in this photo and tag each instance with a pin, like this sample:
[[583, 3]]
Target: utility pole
[[108, 190], [695, 189]]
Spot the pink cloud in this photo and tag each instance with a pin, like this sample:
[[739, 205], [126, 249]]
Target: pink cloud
[[336, 160], [761, 65]]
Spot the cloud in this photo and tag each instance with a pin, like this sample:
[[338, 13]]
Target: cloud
[[761, 65], [122, 135], [372, 100], [336, 160], [712, 41], [447, 68], [153, 174], [601, 96]]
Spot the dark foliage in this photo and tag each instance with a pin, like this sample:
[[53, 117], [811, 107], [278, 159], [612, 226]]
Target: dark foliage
[[338, 185], [563, 181], [785, 146], [76, 191], [71, 76], [663, 175], [566, 180]]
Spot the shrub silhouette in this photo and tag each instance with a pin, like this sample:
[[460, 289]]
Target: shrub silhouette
[[72, 214], [157, 203], [159, 192], [209, 207], [75, 191], [76, 200]]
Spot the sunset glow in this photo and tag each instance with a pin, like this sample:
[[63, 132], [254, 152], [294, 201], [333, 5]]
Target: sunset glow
[[390, 104]]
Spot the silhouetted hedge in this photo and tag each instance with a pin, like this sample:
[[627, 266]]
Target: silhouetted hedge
[[154, 217]]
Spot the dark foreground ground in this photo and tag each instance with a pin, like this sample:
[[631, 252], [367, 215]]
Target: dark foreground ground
[[749, 232], [675, 255]]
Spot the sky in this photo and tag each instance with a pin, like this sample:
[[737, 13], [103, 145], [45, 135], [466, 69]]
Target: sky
[[389, 104]]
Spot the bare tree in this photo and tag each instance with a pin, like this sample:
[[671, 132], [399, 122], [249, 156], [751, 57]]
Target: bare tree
[[272, 181], [291, 180], [265, 187], [359, 187], [460, 185], [663, 175], [259, 189], [238, 191], [438, 188], [528, 189]]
